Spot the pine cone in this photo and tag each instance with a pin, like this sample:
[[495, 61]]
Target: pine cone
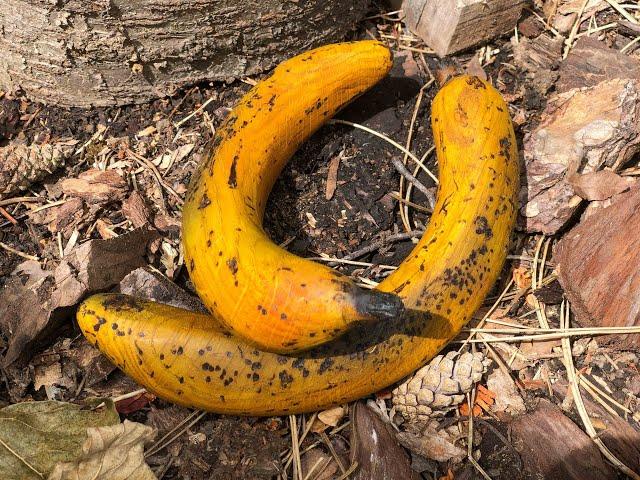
[[439, 386], [22, 165]]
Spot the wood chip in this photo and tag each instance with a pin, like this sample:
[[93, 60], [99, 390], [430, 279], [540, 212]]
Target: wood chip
[[449, 27], [582, 131], [96, 186], [552, 446], [376, 449], [591, 62], [332, 177], [598, 268]]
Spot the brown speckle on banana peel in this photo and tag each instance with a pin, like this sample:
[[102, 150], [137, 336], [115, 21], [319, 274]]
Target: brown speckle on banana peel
[[236, 269], [463, 250]]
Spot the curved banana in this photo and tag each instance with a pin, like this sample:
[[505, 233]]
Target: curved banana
[[189, 359], [262, 293]]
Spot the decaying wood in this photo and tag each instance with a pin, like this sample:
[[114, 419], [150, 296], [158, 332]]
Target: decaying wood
[[449, 26], [21, 165], [375, 448], [539, 58], [582, 130], [598, 267], [115, 52], [551, 445], [591, 62]]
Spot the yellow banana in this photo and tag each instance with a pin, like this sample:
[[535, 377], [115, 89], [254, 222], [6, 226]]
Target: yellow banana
[[263, 294], [190, 359]]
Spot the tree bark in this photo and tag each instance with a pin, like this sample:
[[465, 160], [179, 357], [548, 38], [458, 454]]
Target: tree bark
[[116, 52]]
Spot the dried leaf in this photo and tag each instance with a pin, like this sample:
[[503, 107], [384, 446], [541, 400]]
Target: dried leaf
[[600, 185], [114, 452], [98, 265], [433, 445], [332, 416], [37, 435], [507, 398], [25, 312]]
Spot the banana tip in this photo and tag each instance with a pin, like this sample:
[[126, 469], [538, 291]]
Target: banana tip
[[379, 305]]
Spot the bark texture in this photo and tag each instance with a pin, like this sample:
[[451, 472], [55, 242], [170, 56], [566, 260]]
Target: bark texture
[[116, 52]]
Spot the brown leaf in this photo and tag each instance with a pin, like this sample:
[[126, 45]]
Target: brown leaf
[[25, 311], [507, 398], [145, 283], [332, 416], [114, 452], [600, 185], [100, 264], [96, 186], [376, 449], [433, 445]]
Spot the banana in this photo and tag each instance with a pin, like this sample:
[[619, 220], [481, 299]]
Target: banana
[[190, 359], [263, 294]]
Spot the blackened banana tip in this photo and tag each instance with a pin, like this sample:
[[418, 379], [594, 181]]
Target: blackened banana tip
[[379, 305]]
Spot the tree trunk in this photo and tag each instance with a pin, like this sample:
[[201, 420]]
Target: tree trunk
[[115, 52]]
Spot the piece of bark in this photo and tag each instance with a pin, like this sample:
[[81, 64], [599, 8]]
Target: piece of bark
[[21, 165], [582, 131], [554, 447], [116, 52], [145, 283], [540, 59], [590, 62], [618, 435], [597, 263], [376, 449], [449, 26], [600, 185], [96, 186], [135, 209]]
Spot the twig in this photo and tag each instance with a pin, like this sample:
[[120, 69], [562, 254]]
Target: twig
[[420, 208], [18, 252], [11, 201], [577, 398], [488, 338], [431, 199], [193, 114], [622, 11], [397, 237], [351, 262], [159, 445], [128, 395], [295, 448]]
